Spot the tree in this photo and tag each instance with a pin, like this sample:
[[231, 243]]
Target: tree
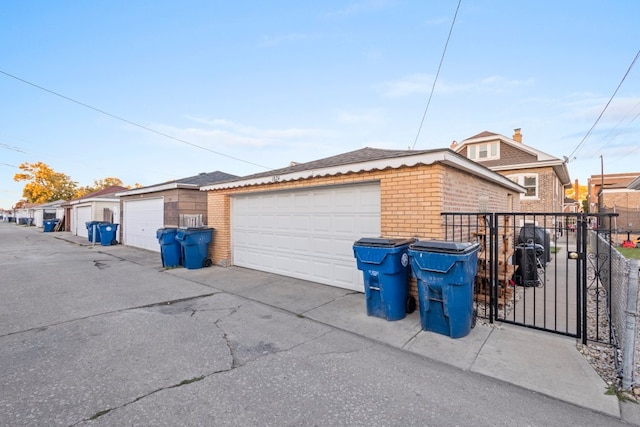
[[98, 184], [582, 193], [44, 184]]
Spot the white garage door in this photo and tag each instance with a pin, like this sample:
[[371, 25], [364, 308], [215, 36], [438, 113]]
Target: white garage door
[[307, 234], [83, 215], [141, 220]]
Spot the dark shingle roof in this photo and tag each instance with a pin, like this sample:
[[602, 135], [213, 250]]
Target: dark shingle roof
[[207, 178], [366, 154], [482, 135]]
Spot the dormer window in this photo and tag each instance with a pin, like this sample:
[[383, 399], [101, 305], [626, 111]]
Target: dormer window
[[484, 151]]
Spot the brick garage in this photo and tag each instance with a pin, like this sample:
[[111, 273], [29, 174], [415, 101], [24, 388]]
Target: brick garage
[[145, 210], [414, 188]]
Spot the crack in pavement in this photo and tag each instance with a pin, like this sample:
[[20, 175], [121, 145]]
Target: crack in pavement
[[155, 304], [235, 364]]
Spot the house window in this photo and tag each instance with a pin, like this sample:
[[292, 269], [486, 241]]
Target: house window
[[484, 151], [529, 182]]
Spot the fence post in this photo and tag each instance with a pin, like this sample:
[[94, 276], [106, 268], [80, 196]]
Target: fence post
[[629, 352], [581, 243]]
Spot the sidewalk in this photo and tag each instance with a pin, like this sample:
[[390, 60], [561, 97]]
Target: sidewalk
[[542, 362]]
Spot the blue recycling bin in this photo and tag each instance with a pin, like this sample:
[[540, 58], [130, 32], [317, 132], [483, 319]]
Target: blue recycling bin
[[49, 224], [385, 267], [107, 233], [445, 272], [92, 226], [195, 246], [170, 249]]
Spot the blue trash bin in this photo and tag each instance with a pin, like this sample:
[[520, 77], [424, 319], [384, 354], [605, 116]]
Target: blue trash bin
[[445, 272], [49, 224], [170, 249], [107, 233], [385, 267], [92, 226], [195, 246]]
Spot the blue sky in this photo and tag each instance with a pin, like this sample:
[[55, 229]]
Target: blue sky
[[255, 85]]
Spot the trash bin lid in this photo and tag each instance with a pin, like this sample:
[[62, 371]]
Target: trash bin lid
[[385, 243], [443, 246]]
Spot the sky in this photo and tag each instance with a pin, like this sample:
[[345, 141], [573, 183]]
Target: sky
[[150, 91]]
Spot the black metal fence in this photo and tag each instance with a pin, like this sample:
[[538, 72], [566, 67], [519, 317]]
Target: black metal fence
[[538, 270]]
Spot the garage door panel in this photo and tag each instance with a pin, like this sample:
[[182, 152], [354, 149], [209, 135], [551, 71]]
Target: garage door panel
[[321, 224], [344, 224], [307, 234], [83, 215], [142, 219]]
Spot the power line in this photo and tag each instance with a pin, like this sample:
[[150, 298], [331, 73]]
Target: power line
[[606, 106], [113, 116], [11, 147], [437, 74]]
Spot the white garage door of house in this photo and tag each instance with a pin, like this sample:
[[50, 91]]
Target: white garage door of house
[[141, 220], [83, 215], [307, 234]]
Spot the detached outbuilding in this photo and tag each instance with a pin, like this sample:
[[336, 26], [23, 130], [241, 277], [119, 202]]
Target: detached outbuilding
[[47, 211], [145, 210], [101, 205], [302, 220]]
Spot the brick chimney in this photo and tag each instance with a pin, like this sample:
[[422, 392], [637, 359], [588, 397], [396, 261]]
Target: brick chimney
[[517, 136]]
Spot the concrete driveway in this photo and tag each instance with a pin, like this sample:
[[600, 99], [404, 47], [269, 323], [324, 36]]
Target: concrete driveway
[[93, 335]]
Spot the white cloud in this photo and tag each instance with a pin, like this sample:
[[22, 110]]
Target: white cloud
[[223, 132], [368, 116], [360, 7], [422, 84]]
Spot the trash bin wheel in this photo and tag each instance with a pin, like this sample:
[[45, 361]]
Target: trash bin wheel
[[411, 304], [207, 262], [114, 242], [474, 318]]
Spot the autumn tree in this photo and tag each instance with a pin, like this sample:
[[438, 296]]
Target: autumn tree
[[98, 184], [44, 184], [582, 193]]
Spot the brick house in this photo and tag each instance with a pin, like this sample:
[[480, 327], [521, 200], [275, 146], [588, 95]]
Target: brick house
[[302, 220], [617, 195], [545, 177]]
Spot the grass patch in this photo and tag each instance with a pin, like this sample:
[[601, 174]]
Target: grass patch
[[631, 253]]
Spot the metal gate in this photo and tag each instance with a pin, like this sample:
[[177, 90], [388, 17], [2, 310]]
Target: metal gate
[[543, 271]]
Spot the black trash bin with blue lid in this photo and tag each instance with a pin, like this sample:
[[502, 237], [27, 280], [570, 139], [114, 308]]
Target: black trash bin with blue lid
[[195, 246], [170, 249], [385, 267], [107, 233], [445, 272]]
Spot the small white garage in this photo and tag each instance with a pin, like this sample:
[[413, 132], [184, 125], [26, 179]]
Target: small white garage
[[141, 219], [82, 215], [168, 204], [102, 205], [305, 233]]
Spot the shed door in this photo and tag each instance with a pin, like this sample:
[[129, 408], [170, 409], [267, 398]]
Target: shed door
[[83, 215], [141, 220], [307, 234]]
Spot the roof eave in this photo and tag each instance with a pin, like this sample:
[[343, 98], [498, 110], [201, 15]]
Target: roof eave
[[558, 166], [442, 156], [156, 188]]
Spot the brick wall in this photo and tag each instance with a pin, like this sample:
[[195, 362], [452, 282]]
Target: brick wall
[[176, 202], [412, 199], [627, 205]]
